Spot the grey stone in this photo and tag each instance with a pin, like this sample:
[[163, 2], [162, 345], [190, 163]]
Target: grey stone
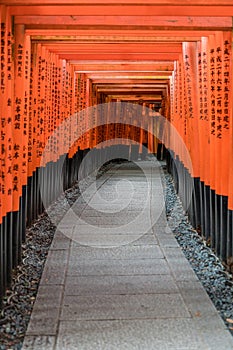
[[39, 342], [108, 220], [55, 267], [136, 240], [110, 240], [133, 228], [118, 267], [46, 310], [97, 285], [123, 252], [111, 307], [60, 241], [169, 334], [167, 242], [181, 269], [178, 264], [196, 299], [213, 330], [174, 253], [147, 239], [124, 215]]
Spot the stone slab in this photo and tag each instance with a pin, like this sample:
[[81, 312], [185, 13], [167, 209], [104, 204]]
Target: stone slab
[[123, 215], [196, 299], [169, 334], [119, 253], [105, 285], [169, 242], [111, 240], [60, 241], [46, 311], [111, 307], [108, 220], [145, 239], [101, 230], [126, 267], [55, 267], [39, 342], [179, 265], [213, 329]]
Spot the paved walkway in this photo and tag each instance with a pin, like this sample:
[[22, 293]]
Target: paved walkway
[[115, 277]]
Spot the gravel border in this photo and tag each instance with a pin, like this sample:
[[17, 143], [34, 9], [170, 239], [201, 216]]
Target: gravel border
[[19, 300]]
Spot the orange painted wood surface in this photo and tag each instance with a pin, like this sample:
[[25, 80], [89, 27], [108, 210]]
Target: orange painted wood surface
[[116, 9], [161, 21]]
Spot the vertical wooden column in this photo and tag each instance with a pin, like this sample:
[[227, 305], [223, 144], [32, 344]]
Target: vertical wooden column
[[224, 121], [191, 75], [212, 79], [174, 115], [204, 122], [230, 182], [190, 71], [6, 151], [19, 139]]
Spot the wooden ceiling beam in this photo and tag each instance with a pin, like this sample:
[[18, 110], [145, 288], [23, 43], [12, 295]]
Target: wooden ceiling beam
[[133, 90], [137, 75], [159, 22], [134, 81], [125, 2], [162, 73], [137, 97], [128, 86], [116, 47], [152, 67], [202, 10], [120, 56], [121, 34]]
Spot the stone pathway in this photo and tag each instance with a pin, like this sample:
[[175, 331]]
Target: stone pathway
[[116, 279]]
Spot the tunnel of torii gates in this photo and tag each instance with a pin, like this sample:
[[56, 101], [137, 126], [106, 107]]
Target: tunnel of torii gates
[[59, 57]]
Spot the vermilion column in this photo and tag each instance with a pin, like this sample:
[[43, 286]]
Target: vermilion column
[[219, 139], [230, 183], [6, 111], [212, 87], [34, 109], [3, 125], [204, 116], [19, 138], [226, 151], [191, 73]]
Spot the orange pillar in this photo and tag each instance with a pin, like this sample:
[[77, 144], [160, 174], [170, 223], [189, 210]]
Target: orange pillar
[[6, 105], [212, 79], [191, 73], [19, 137]]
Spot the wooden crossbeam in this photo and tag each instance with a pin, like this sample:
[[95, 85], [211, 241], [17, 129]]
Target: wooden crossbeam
[[133, 97], [124, 80], [159, 3], [114, 48], [113, 34], [152, 67], [120, 90], [159, 22], [122, 75], [116, 9], [121, 56]]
